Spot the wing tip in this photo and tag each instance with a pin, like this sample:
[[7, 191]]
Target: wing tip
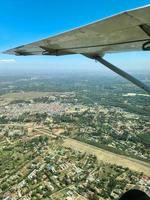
[[9, 51], [5, 52]]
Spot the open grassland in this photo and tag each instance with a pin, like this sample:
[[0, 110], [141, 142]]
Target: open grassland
[[109, 157], [24, 95]]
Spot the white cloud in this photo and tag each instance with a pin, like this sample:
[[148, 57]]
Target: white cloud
[[7, 61]]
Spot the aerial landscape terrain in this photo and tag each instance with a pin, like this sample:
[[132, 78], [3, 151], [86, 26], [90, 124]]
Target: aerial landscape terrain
[[74, 100], [73, 137]]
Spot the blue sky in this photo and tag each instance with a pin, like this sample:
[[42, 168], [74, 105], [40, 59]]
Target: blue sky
[[24, 21]]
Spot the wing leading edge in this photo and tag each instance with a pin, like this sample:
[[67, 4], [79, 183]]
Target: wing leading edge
[[127, 31]]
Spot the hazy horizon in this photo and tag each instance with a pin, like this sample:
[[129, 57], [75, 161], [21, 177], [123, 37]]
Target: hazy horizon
[[133, 63]]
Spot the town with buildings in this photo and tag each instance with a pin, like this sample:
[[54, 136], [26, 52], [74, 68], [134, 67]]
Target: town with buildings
[[66, 144]]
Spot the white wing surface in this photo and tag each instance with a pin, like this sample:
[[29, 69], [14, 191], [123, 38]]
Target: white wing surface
[[127, 31]]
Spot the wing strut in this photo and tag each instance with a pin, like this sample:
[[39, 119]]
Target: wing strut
[[122, 73]]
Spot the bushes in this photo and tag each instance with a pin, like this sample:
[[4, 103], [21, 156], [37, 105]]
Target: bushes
[[145, 137]]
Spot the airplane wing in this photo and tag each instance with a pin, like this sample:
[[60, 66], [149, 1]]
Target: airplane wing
[[127, 31]]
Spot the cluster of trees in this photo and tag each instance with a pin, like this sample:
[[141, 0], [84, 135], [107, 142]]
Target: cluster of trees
[[4, 120], [17, 101], [43, 100], [27, 117], [145, 138], [36, 141]]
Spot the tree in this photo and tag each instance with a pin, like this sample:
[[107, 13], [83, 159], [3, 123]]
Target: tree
[[4, 186]]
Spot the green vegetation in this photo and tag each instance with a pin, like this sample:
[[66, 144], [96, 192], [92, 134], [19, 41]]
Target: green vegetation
[[37, 114], [145, 137]]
